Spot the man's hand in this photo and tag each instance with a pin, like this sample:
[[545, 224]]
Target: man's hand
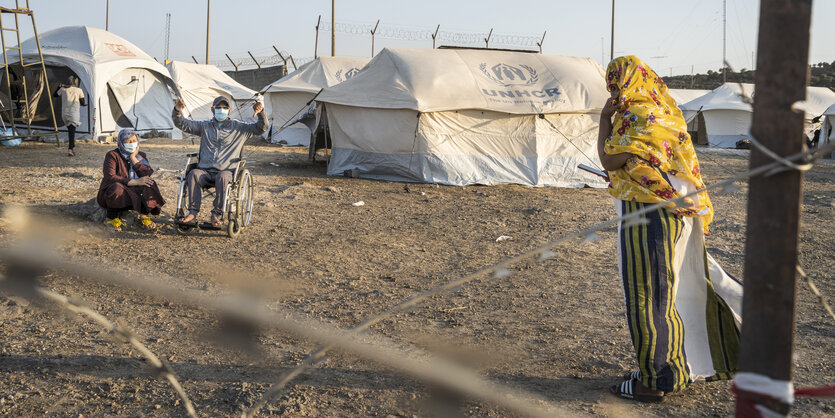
[[257, 107], [142, 181], [179, 105], [609, 109]]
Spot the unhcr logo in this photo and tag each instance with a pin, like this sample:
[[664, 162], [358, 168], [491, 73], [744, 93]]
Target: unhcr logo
[[510, 76], [347, 74], [514, 79]]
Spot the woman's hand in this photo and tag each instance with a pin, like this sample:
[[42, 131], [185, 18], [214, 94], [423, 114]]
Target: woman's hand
[[142, 181], [609, 109]]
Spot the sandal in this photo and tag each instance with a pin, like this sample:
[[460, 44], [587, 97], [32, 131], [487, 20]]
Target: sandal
[[626, 390], [636, 375], [217, 222], [115, 223], [146, 223], [70, 153]]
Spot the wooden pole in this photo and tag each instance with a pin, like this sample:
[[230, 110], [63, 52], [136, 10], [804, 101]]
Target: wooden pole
[[487, 39], [725, 41], [208, 14], [233, 62], [774, 201], [316, 42], [254, 60], [333, 28], [283, 70], [373, 32], [541, 41], [107, 16], [612, 41], [435, 35]]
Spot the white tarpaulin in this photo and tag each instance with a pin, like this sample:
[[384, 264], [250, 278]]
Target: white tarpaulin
[[200, 84], [728, 117], [468, 117], [288, 97], [827, 126], [682, 96], [123, 85]]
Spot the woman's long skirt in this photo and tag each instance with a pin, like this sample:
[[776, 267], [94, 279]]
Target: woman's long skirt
[[681, 307]]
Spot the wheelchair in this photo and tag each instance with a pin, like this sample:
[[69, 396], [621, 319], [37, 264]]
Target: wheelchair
[[237, 204]]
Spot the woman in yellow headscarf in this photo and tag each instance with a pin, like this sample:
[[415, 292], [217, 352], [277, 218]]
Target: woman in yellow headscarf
[[680, 305]]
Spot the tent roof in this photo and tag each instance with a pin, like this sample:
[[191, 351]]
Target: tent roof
[[830, 111], [91, 45], [190, 76], [318, 74], [682, 96], [724, 97], [727, 97], [430, 80]]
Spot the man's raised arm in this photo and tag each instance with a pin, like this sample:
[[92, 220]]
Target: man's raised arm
[[260, 126], [185, 124]]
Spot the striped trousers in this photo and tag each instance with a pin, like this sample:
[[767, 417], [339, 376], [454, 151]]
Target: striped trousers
[[649, 284]]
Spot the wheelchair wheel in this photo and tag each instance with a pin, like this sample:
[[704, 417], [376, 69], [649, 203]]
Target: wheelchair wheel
[[240, 210], [246, 190], [232, 228]]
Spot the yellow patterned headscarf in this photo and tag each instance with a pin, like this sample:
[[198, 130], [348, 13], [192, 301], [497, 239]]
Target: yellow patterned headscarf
[[649, 125]]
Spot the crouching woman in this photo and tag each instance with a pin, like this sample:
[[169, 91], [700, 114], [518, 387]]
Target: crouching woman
[[127, 184]]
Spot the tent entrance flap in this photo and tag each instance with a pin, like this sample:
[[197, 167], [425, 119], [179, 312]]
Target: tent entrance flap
[[143, 98]]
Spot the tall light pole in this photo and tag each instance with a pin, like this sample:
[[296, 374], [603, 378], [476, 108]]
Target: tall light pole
[[612, 41], [333, 28], [208, 14], [724, 40], [107, 16]]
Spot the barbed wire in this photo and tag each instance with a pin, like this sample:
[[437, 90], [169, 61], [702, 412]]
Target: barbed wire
[[401, 33], [542, 252], [816, 292], [159, 369], [355, 341], [381, 350]]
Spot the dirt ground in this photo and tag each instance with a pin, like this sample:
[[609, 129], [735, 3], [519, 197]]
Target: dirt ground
[[555, 328]]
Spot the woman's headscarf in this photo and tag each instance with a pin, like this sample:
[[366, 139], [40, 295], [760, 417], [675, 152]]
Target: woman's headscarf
[[649, 125], [123, 136]]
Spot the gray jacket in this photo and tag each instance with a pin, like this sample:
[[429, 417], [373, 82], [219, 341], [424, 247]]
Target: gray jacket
[[220, 142]]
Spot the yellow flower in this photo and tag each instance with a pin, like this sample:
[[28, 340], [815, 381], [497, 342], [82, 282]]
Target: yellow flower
[[116, 222]]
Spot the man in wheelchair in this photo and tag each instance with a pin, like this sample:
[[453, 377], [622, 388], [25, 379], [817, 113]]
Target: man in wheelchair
[[221, 142]]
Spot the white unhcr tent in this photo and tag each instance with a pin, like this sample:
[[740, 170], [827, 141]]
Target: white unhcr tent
[[827, 127], [727, 116], [287, 98], [468, 117], [200, 84], [682, 96], [123, 86]]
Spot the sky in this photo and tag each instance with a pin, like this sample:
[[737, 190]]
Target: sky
[[674, 37]]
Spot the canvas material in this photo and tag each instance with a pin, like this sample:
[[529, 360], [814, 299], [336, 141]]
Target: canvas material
[[464, 147], [200, 84], [317, 74], [434, 80], [96, 56], [728, 116]]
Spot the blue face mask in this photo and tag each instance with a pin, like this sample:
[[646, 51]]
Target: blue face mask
[[221, 114], [131, 147]]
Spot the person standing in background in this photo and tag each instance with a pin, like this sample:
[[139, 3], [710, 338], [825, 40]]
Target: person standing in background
[[72, 98]]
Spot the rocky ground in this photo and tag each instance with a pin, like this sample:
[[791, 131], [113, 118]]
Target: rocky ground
[[555, 328]]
